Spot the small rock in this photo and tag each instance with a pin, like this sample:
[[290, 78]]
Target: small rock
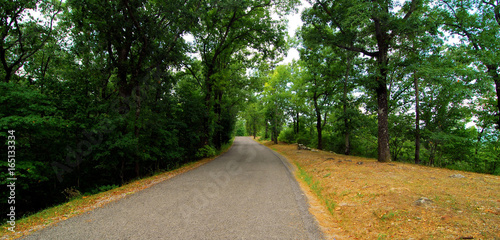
[[344, 204], [340, 161], [347, 160], [457, 176], [423, 201], [359, 163], [314, 150]]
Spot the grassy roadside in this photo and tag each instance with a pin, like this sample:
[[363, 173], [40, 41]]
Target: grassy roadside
[[84, 204], [363, 199]]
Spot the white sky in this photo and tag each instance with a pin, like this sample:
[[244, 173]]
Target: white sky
[[295, 22]]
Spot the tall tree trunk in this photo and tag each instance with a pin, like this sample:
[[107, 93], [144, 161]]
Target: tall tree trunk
[[275, 125], [218, 129], [137, 125], [8, 74], [205, 138], [383, 39], [122, 171], [266, 134], [417, 120], [384, 154], [298, 123], [318, 121], [492, 71], [347, 130]]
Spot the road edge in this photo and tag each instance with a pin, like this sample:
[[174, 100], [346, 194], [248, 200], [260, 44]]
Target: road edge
[[302, 199], [103, 199]]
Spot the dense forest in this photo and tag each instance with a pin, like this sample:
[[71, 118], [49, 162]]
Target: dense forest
[[94, 94], [103, 92]]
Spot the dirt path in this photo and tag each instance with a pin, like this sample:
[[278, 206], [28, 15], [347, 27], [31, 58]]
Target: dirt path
[[247, 193]]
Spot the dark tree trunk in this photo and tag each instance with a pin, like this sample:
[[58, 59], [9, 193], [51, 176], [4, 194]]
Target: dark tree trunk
[[318, 121], [298, 123], [218, 129], [492, 70], [137, 124], [384, 154], [417, 121], [122, 171], [266, 134], [205, 138], [383, 39], [347, 130], [8, 75]]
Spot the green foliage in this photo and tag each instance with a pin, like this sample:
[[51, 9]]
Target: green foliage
[[240, 128], [99, 189], [287, 135], [206, 151]]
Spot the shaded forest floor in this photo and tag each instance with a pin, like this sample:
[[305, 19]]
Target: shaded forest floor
[[84, 204], [360, 198]]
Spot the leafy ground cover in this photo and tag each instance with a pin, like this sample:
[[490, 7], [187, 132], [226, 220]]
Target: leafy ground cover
[[360, 198]]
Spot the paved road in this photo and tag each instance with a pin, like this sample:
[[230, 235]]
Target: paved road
[[247, 193]]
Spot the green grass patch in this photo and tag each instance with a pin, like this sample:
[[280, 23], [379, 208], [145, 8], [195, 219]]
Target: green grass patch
[[316, 188], [389, 215]]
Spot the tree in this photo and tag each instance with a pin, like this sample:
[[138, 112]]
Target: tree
[[276, 98], [21, 34], [319, 80], [370, 28], [477, 23], [134, 39], [234, 34]]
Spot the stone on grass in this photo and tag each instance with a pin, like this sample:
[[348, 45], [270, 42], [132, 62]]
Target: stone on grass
[[457, 176], [302, 147], [423, 201]]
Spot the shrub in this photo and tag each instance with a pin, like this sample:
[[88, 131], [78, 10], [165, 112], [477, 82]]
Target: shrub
[[287, 136], [206, 151], [71, 193], [304, 138]]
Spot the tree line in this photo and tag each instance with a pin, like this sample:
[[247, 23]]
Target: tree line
[[103, 92], [413, 81]]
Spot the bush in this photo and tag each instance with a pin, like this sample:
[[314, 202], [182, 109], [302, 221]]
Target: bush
[[304, 138], [71, 193], [206, 151], [287, 136], [103, 188]]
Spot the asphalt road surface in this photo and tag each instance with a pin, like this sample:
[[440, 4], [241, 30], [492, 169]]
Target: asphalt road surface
[[247, 193]]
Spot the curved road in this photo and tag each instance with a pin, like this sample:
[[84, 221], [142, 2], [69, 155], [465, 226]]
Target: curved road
[[247, 193]]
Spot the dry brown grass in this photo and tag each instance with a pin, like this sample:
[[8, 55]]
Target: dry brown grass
[[372, 200]]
